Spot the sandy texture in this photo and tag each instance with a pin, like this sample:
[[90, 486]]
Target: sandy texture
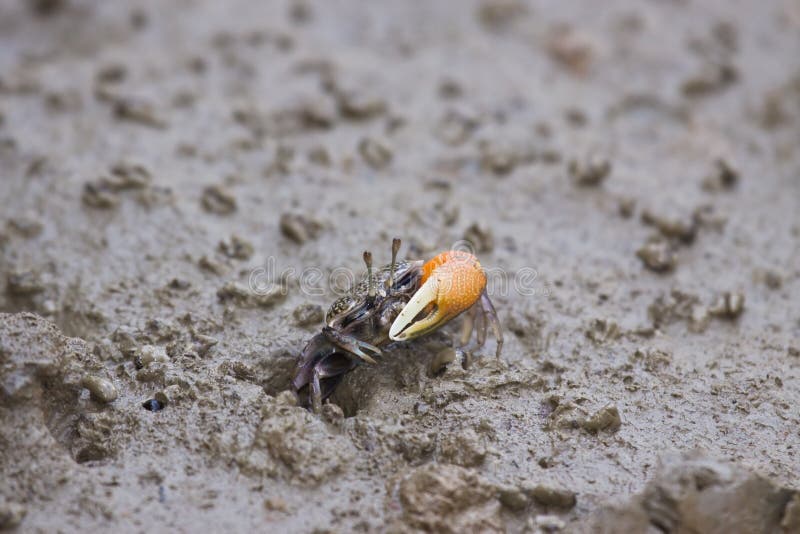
[[633, 166]]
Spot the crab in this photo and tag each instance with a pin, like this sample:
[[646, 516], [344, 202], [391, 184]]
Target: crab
[[398, 302]]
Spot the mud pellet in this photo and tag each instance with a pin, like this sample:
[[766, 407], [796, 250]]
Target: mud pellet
[[606, 418], [100, 388], [553, 496], [658, 256], [374, 153]]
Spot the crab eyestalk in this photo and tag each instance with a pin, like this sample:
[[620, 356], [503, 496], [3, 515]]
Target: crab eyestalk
[[370, 280], [395, 250], [452, 282]]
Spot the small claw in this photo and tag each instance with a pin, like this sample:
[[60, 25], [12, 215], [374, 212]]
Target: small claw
[[352, 345], [452, 282], [363, 355]]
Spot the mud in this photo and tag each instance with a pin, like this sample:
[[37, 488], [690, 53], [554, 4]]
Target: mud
[[170, 169]]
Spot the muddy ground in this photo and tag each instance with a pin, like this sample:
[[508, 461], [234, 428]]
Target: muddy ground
[[170, 169]]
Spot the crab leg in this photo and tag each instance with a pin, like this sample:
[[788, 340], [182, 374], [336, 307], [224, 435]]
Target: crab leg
[[316, 392], [468, 326], [482, 326], [491, 316], [351, 345]]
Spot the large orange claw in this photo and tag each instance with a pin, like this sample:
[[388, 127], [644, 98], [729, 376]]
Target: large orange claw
[[451, 283]]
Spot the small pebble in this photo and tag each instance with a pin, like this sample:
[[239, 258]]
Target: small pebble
[[723, 177], [711, 78], [455, 128], [216, 199], [571, 49], [126, 175], [212, 265], [138, 111], [513, 498], [148, 354], [237, 248], [498, 158], [358, 104], [658, 256], [276, 504], [234, 291], [684, 230], [179, 284], [374, 153], [728, 306], [298, 228], [606, 418], [100, 388], [590, 171], [317, 112], [97, 196], [602, 330], [553, 496]]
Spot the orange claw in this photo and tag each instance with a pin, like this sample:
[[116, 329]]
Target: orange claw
[[451, 283]]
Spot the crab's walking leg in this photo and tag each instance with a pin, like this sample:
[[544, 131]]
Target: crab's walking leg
[[491, 318], [468, 326], [351, 345], [481, 326], [316, 392]]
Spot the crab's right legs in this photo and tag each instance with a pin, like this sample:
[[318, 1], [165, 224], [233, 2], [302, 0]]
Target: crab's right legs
[[478, 319], [351, 345], [316, 392], [468, 326], [491, 317]]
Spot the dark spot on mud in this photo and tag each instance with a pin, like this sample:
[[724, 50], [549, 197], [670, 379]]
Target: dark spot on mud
[[152, 405]]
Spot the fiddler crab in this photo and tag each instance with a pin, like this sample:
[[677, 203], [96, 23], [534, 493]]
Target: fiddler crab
[[399, 302]]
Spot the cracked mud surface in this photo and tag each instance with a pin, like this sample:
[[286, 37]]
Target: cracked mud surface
[[641, 159]]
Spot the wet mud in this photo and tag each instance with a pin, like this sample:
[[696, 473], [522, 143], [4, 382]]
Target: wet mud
[[170, 171]]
